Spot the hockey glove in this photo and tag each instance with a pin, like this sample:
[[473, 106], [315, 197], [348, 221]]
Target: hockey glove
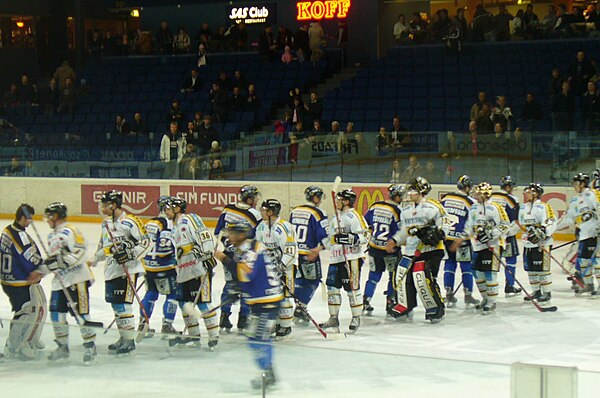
[[122, 255], [430, 235], [483, 234], [587, 216], [53, 263], [536, 234], [345, 239], [209, 264]]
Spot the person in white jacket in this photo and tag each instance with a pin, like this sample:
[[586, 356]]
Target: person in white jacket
[[172, 147]]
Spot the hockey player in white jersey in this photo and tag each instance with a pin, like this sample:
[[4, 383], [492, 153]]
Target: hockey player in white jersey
[[66, 250], [279, 238], [348, 238], [195, 247], [539, 222], [486, 225], [123, 244], [583, 214], [422, 222]]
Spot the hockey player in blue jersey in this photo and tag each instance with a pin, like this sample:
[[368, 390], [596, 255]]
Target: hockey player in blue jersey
[[263, 291], [310, 224], [457, 205], [160, 265], [21, 271], [383, 218], [245, 210], [511, 205]]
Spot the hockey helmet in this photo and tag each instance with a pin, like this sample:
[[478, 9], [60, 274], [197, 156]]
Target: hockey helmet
[[464, 182], [347, 194], [397, 190], [112, 196], [176, 201], [596, 174], [273, 205], [238, 226], [484, 189], [163, 202], [507, 181], [312, 191], [58, 208], [582, 177], [536, 188], [418, 185], [248, 191]]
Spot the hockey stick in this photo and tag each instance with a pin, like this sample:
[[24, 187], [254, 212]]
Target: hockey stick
[[457, 288], [529, 296], [305, 311], [141, 334], [564, 244], [74, 308]]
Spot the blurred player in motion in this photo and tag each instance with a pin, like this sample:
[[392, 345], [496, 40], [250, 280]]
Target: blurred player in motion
[[310, 225]]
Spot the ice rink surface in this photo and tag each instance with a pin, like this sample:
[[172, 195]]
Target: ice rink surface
[[466, 353]]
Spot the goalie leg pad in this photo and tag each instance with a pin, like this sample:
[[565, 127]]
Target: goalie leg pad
[[286, 313], [334, 300], [426, 288], [38, 299]]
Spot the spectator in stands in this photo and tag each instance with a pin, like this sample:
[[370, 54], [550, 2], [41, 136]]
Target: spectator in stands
[[25, 96], [287, 56], [67, 98], [384, 143], [138, 126], [498, 130], [188, 167], [15, 169], [252, 100], [224, 82], [314, 108], [142, 42], [517, 26], [485, 125], [483, 26], [10, 99], [503, 20], [316, 39], [317, 128], [63, 73], [95, 46], [164, 39], [202, 55], [413, 170], [301, 43], [121, 126], [502, 114], [171, 150], [530, 21], [335, 128], [555, 84], [549, 21], [198, 119], [182, 42], [191, 135], [49, 96], [476, 108], [237, 101], [296, 135], [342, 37], [175, 114], [396, 173], [441, 27], [191, 83], [206, 135], [580, 73], [84, 89], [399, 136], [280, 132], [218, 102], [418, 28], [531, 111], [239, 81], [218, 40], [284, 38], [216, 164], [267, 45], [204, 35], [562, 22], [292, 95], [109, 44], [401, 30], [563, 108], [590, 108], [239, 35]]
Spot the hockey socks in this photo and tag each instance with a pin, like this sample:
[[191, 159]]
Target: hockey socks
[[510, 270], [371, 284]]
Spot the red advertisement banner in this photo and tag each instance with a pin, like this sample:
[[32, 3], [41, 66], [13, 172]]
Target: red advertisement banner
[[137, 199], [206, 201]]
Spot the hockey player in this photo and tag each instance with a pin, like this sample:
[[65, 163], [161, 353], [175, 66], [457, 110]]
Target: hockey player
[[596, 179], [262, 289], [486, 225], [583, 213], [383, 218], [123, 244], [348, 239], [421, 231], [457, 205], [510, 202], [278, 237], [310, 226], [195, 263], [21, 271], [246, 211], [538, 219], [160, 265], [66, 249]]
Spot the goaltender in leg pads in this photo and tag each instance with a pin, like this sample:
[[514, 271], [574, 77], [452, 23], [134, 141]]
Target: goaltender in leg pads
[[28, 322]]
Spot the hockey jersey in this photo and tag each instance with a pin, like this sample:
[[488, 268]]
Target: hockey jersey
[[350, 221], [257, 273], [491, 217], [384, 220], [279, 239], [583, 213], [456, 206], [310, 227], [511, 206], [67, 243], [237, 212], [538, 214], [161, 256], [194, 244], [417, 216], [128, 229], [19, 256]]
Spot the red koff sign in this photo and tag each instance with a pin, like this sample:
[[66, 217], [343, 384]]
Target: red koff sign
[[137, 199]]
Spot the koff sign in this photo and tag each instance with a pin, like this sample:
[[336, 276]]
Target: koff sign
[[206, 201], [137, 199], [326, 9]]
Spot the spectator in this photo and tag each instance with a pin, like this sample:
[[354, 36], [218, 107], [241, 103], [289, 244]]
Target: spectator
[[316, 39], [237, 102], [84, 89], [202, 55], [301, 43], [476, 108], [204, 35], [549, 20], [284, 38], [396, 172], [15, 169], [563, 108], [441, 27], [10, 99], [142, 42], [175, 114], [401, 29], [503, 20], [240, 37], [206, 135], [532, 110], [239, 81], [67, 98], [252, 100], [317, 128], [164, 39], [109, 44], [139, 126], [121, 126], [293, 94], [418, 28], [171, 150], [399, 136], [590, 108], [49, 97], [287, 57], [215, 162], [461, 23], [182, 42], [192, 83], [191, 135], [63, 73], [413, 170], [530, 20], [188, 167], [383, 142], [95, 46], [580, 73], [517, 26], [335, 128], [483, 26], [314, 108], [26, 95], [485, 125], [218, 102], [562, 22], [502, 114], [498, 130], [219, 42], [224, 82], [280, 132], [198, 119], [555, 84]]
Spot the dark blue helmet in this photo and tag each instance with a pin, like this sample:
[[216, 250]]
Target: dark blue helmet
[[397, 190], [248, 191], [312, 191], [113, 196], [163, 202], [347, 194], [273, 205], [178, 202]]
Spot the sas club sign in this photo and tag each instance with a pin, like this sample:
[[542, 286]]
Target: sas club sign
[[259, 14]]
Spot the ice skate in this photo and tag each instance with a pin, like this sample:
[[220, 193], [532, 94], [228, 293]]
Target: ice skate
[[488, 308], [144, 335], [126, 348], [354, 324], [167, 330], [436, 315], [241, 323], [112, 348], [300, 317], [511, 291], [471, 301], [89, 354], [283, 332], [212, 342], [546, 297], [264, 381], [482, 304], [224, 323], [450, 299], [188, 341], [588, 288], [332, 325], [38, 345], [60, 354], [367, 308]]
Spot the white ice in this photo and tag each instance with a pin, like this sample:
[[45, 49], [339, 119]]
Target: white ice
[[465, 355]]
